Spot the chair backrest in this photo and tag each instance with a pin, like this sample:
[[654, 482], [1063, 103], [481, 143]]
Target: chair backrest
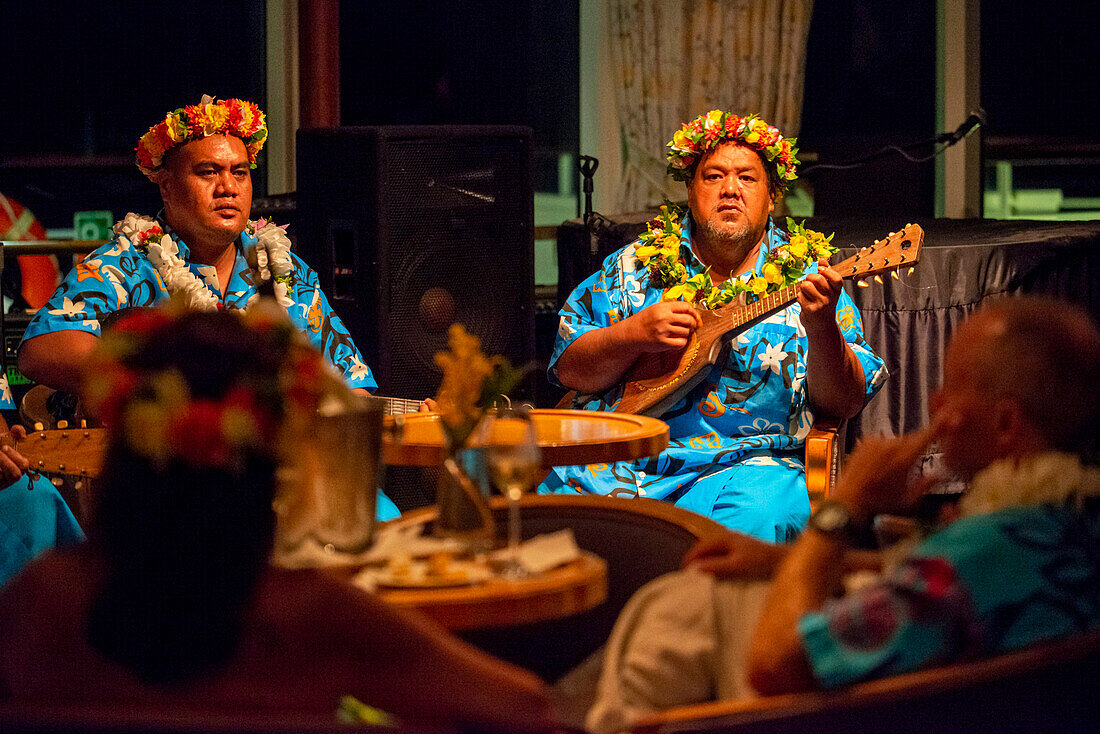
[[640, 539], [1048, 687]]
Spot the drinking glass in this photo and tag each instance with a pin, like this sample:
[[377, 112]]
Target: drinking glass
[[512, 454]]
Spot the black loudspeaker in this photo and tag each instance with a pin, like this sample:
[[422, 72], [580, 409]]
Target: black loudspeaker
[[412, 228]]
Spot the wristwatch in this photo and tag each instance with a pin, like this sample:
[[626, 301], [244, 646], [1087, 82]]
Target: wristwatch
[[834, 519]]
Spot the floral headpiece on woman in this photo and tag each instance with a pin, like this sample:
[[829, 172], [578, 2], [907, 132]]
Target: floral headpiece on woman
[[234, 117], [706, 132], [154, 412]]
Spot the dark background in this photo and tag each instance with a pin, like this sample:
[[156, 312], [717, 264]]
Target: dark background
[[84, 81]]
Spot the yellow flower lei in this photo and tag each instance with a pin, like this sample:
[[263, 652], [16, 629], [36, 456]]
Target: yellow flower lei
[[659, 252]]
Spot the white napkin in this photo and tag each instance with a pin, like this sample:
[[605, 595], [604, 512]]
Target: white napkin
[[544, 552], [407, 541]]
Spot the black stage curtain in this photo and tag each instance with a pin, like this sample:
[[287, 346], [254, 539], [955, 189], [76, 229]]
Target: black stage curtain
[[908, 321]]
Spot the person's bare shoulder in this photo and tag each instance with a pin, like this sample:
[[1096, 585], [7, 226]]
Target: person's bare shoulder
[[49, 595], [299, 597]]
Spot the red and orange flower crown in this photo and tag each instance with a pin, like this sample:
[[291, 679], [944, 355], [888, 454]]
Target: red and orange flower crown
[[229, 117], [705, 132]]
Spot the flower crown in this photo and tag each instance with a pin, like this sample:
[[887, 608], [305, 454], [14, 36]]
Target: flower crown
[[154, 414], [705, 132], [229, 117]]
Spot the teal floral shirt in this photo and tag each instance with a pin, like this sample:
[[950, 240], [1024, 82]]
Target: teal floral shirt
[[984, 584]]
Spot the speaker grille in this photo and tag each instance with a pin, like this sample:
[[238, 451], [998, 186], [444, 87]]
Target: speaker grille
[[413, 228], [458, 229]]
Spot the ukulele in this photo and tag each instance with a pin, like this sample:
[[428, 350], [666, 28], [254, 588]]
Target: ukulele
[[63, 452], [78, 452], [657, 380]]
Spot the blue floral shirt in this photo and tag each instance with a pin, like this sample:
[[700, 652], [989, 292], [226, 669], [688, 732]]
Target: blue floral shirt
[[985, 584], [752, 408], [117, 276]]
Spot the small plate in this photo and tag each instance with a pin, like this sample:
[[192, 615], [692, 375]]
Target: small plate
[[459, 573]]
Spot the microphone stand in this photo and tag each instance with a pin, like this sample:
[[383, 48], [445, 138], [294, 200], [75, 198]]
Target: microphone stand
[[587, 165]]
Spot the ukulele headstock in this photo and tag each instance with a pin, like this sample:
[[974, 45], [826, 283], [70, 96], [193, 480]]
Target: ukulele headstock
[[76, 452], [894, 251]]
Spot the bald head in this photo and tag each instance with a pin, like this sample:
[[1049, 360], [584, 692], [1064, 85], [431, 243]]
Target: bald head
[[1044, 355]]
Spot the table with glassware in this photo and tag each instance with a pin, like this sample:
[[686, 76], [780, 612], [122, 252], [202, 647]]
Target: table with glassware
[[563, 437]]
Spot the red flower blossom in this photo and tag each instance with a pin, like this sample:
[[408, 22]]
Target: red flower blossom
[[196, 435]]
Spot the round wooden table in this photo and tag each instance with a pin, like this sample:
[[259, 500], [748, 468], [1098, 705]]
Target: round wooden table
[[565, 437], [559, 592]]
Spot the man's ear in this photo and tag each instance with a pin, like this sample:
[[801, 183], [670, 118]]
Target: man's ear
[[161, 178], [1009, 423]]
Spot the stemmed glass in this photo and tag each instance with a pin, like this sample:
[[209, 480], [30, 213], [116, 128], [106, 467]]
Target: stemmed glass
[[512, 455]]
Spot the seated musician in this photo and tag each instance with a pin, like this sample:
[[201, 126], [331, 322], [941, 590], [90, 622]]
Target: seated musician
[[33, 515], [1016, 419], [199, 245], [736, 439], [173, 604]]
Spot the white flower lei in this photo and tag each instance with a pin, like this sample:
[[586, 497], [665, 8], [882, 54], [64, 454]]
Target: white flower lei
[[272, 257], [1031, 480]]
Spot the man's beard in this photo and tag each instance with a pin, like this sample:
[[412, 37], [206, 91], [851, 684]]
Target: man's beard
[[727, 239]]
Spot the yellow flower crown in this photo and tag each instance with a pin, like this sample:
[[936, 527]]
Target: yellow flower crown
[[705, 132], [229, 117]]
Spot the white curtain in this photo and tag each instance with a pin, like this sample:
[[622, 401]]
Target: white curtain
[[676, 59]]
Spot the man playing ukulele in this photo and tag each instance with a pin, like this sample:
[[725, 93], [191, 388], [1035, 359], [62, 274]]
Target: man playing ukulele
[[735, 449]]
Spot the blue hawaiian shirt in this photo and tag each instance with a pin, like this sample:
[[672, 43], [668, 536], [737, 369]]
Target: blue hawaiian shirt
[[117, 276], [984, 584], [752, 408]]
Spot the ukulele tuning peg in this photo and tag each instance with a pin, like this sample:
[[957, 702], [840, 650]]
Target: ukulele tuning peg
[[878, 279], [862, 283], [909, 271], [83, 424], [57, 481], [78, 485], [62, 424], [894, 274], [39, 427]]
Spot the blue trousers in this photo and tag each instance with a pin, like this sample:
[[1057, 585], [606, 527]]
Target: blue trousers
[[32, 519]]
